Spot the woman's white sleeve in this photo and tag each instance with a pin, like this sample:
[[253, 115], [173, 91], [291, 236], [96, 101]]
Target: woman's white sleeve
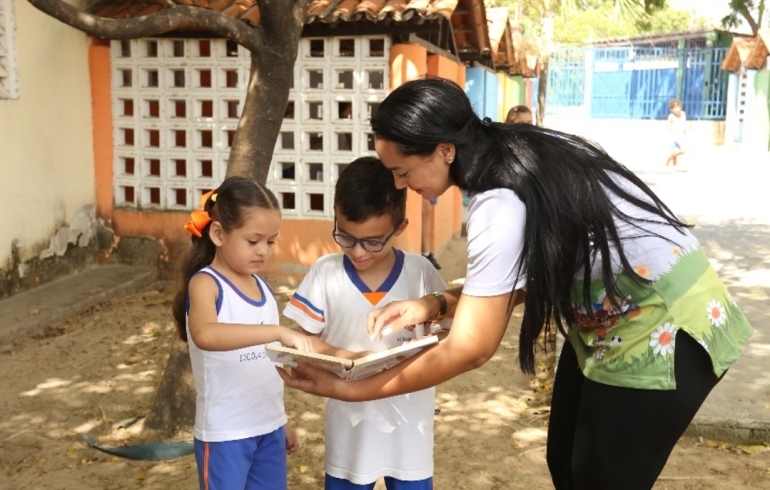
[[496, 222]]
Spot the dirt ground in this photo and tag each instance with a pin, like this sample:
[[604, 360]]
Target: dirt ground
[[98, 369]]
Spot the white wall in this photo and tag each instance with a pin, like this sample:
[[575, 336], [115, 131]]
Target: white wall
[[639, 143], [46, 143]]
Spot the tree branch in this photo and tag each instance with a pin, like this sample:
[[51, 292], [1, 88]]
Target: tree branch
[[744, 11], [166, 20], [281, 20]]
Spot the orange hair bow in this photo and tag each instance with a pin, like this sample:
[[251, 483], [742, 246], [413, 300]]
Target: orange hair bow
[[200, 218]]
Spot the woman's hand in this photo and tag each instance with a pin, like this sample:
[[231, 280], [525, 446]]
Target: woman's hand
[[399, 314], [291, 338], [292, 442], [315, 381]]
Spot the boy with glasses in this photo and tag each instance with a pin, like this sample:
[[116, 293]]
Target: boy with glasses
[[390, 438]]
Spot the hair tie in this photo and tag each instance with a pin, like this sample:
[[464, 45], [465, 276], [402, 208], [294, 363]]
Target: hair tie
[[200, 218], [486, 121]]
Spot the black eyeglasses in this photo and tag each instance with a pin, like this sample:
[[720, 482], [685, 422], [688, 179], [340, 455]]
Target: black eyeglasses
[[373, 246]]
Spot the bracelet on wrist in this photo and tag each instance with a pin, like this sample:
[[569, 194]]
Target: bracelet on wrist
[[441, 308]]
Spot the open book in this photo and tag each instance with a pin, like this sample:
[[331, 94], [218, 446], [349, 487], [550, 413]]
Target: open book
[[351, 369]]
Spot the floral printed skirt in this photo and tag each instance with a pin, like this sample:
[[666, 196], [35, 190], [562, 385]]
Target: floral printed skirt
[[631, 342]]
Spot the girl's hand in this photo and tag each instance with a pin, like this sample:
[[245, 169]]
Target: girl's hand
[[398, 315], [292, 442], [299, 341]]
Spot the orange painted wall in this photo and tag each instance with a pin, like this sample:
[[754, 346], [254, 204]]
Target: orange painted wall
[[101, 107], [299, 245], [447, 214], [407, 62], [300, 242]]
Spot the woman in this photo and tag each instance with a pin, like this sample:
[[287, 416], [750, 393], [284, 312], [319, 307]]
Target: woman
[[558, 225]]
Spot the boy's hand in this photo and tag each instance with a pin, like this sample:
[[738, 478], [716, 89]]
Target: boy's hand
[[397, 315], [290, 338], [292, 442]]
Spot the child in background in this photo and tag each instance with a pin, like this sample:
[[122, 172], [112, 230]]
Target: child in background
[[677, 125], [519, 114], [392, 437], [226, 312]]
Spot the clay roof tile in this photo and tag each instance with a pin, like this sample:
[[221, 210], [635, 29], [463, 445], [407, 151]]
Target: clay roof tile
[[252, 15]]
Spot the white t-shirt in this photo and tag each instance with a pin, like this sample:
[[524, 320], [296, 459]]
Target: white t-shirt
[[678, 124], [496, 220], [239, 392], [389, 437]]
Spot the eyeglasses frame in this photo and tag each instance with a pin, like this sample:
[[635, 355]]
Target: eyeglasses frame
[[364, 241]]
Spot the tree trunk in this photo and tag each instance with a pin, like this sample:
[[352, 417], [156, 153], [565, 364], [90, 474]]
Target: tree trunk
[[270, 79], [542, 88], [262, 115], [174, 405], [753, 24], [546, 47]]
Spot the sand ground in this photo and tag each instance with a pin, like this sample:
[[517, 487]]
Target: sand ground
[[96, 370]]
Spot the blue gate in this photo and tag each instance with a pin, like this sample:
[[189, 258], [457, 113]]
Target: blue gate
[[566, 81], [637, 83], [705, 84]]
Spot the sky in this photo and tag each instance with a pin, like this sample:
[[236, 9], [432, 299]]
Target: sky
[[711, 9]]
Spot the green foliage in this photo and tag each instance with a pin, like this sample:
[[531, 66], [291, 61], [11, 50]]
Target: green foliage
[[579, 21], [751, 11], [670, 20], [596, 21]]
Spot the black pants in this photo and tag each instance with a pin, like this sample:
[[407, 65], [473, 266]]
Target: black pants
[[604, 437]]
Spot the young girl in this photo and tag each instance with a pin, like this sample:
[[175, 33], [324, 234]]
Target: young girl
[[226, 313]]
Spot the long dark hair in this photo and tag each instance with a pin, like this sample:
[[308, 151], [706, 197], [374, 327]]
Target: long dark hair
[[562, 179], [233, 197]]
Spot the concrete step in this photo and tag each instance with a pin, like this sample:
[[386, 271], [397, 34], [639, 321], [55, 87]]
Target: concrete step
[[31, 312]]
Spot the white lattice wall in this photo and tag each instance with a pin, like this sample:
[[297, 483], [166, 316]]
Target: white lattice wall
[[176, 104], [9, 75]]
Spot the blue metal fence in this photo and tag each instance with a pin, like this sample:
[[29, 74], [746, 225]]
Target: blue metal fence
[[637, 83], [566, 88]]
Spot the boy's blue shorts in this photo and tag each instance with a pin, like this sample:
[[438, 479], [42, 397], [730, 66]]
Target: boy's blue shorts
[[433, 202], [676, 145], [332, 483], [255, 463]]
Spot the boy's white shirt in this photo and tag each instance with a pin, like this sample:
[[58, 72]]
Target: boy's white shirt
[[239, 392], [389, 437]]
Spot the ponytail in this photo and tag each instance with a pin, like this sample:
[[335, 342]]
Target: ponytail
[[201, 253]]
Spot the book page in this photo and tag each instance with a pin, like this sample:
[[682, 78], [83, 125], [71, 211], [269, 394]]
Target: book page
[[287, 355], [372, 364]]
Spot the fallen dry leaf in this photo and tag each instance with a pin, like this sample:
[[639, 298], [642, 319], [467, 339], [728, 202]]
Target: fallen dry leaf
[[753, 448]]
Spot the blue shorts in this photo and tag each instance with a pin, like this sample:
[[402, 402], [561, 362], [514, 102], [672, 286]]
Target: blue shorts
[[331, 483], [676, 145], [255, 463], [433, 202]]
